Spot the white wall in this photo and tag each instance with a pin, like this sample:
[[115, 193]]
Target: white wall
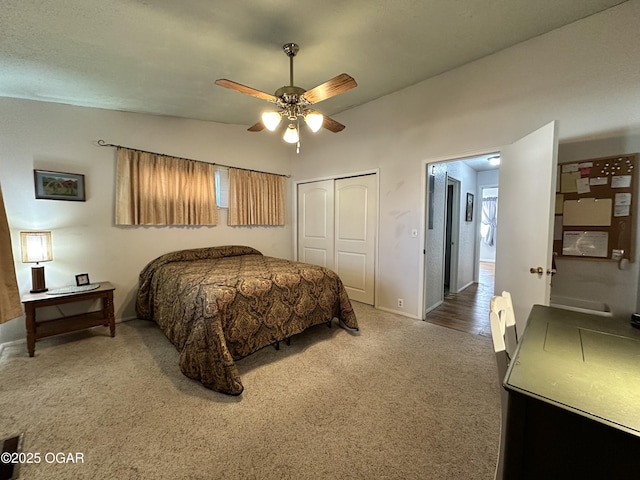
[[584, 75], [85, 240]]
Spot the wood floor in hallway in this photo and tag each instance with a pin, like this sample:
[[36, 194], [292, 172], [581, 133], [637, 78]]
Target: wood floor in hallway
[[468, 311]]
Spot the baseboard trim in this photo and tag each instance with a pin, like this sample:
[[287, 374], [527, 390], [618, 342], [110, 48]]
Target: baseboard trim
[[398, 312], [11, 343]]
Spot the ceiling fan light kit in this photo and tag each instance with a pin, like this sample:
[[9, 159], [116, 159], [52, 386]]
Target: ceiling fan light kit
[[271, 120], [295, 102], [314, 120], [291, 134]]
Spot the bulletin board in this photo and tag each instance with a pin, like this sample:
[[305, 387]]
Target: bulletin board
[[596, 204]]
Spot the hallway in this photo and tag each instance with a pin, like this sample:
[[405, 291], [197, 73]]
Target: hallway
[[468, 311]]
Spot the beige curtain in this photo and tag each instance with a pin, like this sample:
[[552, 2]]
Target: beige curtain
[[255, 198], [10, 306], [154, 189]]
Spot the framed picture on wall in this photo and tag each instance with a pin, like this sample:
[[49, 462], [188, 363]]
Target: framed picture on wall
[[469, 214], [59, 185]]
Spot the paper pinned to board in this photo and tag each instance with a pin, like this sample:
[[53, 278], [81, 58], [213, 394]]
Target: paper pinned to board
[[585, 244], [622, 205], [587, 212], [623, 199], [569, 167], [568, 182], [582, 185], [621, 181]]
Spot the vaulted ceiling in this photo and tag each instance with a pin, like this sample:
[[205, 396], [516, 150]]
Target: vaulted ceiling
[[163, 56]]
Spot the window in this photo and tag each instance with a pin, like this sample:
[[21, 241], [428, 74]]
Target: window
[[222, 188]]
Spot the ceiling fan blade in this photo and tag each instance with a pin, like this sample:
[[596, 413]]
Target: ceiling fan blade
[[331, 125], [330, 88], [238, 87], [258, 127]]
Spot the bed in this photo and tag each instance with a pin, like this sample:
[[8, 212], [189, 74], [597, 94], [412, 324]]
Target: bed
[[220, 304]]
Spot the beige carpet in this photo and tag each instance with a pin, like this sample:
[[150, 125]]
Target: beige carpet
[[404, 399]]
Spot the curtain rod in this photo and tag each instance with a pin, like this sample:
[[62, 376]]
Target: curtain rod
[[102, 143]]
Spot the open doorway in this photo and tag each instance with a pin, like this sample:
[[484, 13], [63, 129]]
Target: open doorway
[[487, 239], [461, 284], [527, 173]]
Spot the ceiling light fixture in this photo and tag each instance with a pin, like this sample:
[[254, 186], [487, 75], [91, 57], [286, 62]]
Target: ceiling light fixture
[[494, 161], [293, 103], [314, 120], [271, 120], [291, 134]]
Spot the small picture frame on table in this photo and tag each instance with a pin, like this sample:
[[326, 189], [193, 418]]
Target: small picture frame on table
[[82, 279]]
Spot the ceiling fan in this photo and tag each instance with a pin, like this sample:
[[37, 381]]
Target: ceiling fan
[[294, 102]]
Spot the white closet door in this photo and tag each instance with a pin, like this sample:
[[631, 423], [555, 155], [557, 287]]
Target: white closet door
[[355, 235], [316, 223]]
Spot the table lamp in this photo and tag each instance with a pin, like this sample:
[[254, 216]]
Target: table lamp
[[36, 248]]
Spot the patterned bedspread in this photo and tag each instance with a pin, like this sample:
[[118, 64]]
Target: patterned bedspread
[[220, 304]]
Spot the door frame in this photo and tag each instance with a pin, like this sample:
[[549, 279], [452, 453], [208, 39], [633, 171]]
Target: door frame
[[481, 189], [294, 196], [424, 195]]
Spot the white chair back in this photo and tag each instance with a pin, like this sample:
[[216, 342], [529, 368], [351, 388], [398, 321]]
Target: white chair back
[[505, 341], [501, 307]]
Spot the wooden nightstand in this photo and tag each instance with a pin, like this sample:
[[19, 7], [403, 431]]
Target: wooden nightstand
[[40, 329]]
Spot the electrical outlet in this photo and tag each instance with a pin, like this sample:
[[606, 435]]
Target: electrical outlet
[[400, 303]]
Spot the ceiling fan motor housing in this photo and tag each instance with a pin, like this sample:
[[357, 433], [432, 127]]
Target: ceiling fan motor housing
[[290, 94], [292, 102]]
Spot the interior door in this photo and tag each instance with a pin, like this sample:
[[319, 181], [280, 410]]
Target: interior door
[[316, 223], [524, 237], [448, 239], [356, 225]]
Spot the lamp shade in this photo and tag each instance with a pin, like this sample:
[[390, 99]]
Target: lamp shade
[[36, 247], [271, 120], [291, 134], [314, 120]]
